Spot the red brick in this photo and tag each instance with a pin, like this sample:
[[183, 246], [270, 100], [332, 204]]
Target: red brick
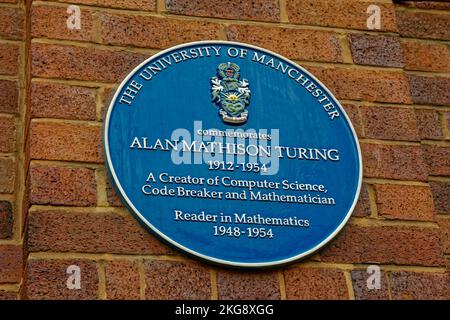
[[51, 22], [339, 13], [8, 295], [441, 195], [64, 102], [405, 202], [363, 292], [362, 208], [63, 141], [314, 45], [264, 10], [423, 25], [121, 4], [386, 245], [429, 124], [432, 5], [369, 85], [444, 227], [430, 90], [420, 286], [9, 96], [122, 280], [438, 160], [106, 96], [104, 232], [426, 56], [376, 50], [7, 174], [315, 283], [10, 263], [154, 32], [8, 136], [241, 285], [62, 186], [447, 122], [391, 123], [9, 59], [81, 63], [353, 113], [47, 280], [394, 162], [177, 281], [12, 23], [113, 198], [6, 219]]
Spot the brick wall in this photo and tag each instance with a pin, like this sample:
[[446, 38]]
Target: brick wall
[[57, 207], [13, 48]]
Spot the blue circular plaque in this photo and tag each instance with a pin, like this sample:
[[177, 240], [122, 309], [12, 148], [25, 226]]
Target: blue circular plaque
[[233, 154]]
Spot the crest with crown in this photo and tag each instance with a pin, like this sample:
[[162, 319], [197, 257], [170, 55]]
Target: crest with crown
[[230, 94]]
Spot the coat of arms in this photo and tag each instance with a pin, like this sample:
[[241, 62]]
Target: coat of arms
[[231, 94]]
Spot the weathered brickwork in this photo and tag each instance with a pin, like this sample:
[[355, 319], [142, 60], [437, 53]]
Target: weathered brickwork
[[12, 113], [58, 207]]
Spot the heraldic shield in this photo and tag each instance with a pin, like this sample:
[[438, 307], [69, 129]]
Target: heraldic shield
[[230, 94]]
